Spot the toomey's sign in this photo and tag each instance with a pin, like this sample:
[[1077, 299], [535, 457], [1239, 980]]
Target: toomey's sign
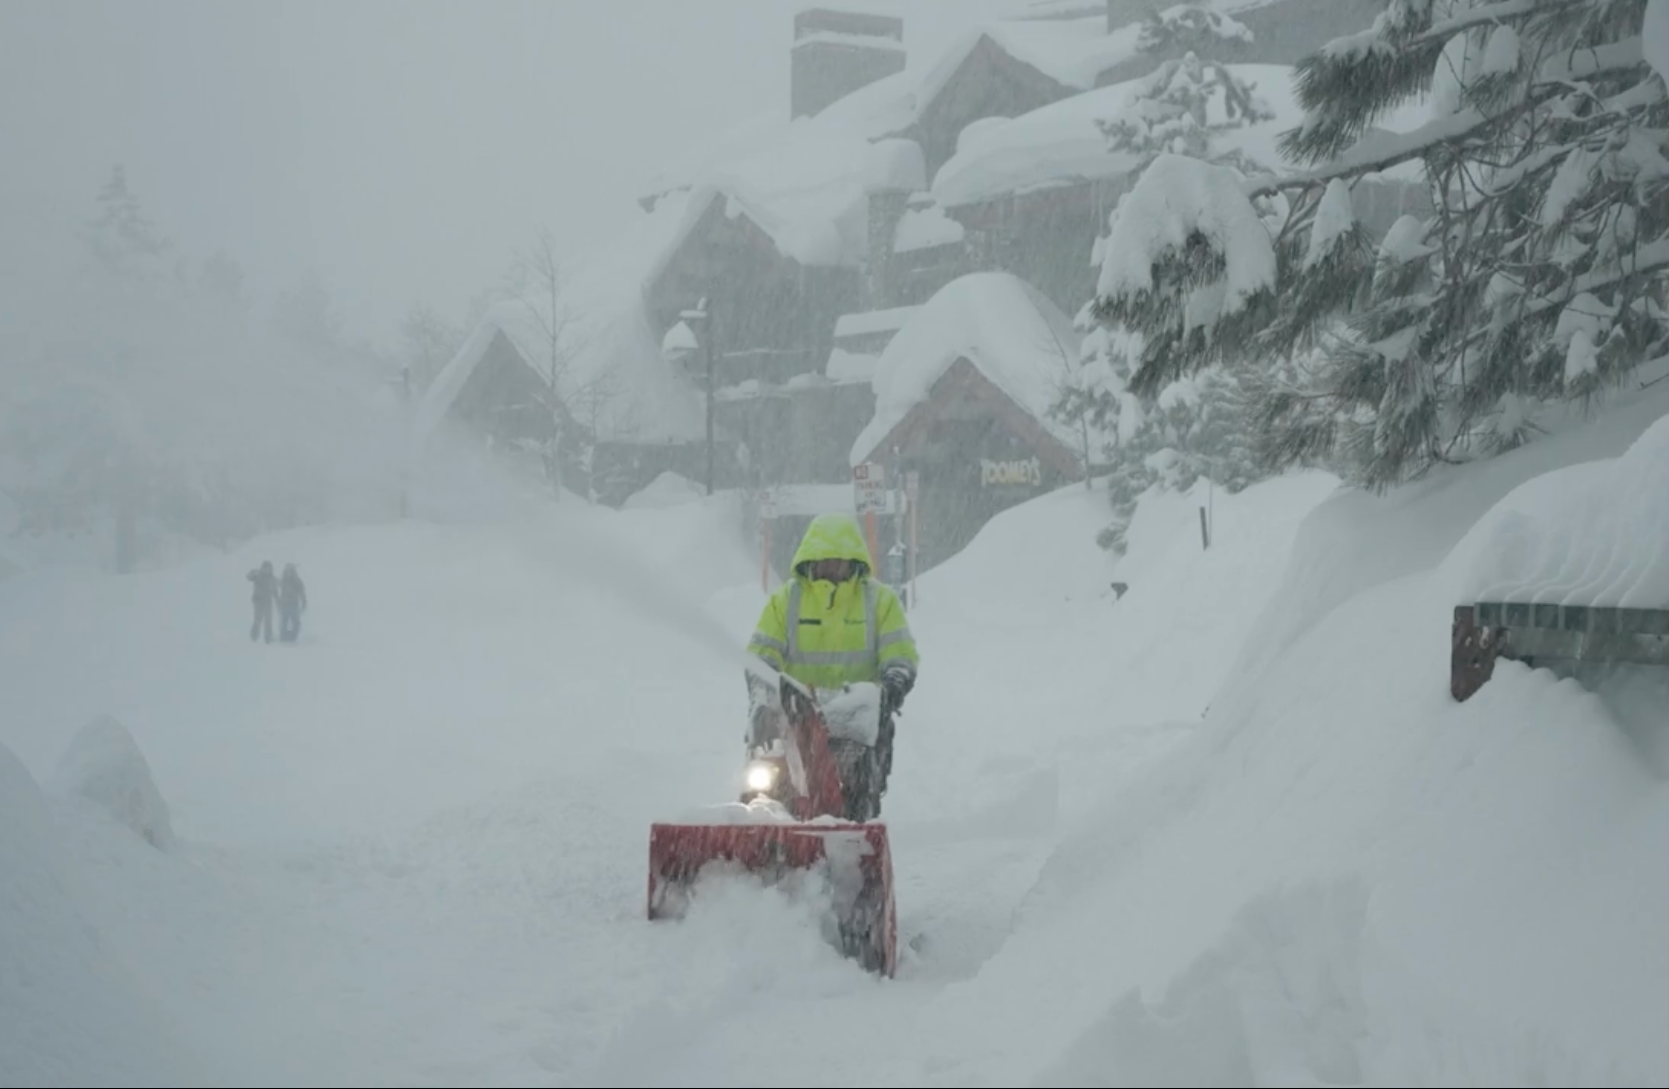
[[1027, 471]]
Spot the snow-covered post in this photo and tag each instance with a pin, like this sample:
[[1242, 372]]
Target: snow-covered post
[[912, 499], [767, 523], [406, 429]]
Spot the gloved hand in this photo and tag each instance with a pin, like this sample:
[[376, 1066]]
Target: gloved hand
[[896, 682]]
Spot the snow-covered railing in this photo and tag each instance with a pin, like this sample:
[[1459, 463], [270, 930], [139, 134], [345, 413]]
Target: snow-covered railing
[[1548, 633]]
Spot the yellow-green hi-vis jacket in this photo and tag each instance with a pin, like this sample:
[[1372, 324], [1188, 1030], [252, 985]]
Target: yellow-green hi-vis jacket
[[826, 634]]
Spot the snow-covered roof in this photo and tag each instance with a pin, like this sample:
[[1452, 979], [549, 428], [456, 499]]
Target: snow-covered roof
[[1000, 324], [799, 177], [1072, 52], [770, 155], [612, 357], [835, 37], [1061, 144], [867, 322], [1062, 9], [845, 366], [924, 228]]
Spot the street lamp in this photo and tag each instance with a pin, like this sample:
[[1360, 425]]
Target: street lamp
[[679, 347]]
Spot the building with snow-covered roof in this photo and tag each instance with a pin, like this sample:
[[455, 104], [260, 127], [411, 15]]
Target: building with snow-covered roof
[[837, 52], [1036, 191], [962, 399], [820, 233], [584, 390]]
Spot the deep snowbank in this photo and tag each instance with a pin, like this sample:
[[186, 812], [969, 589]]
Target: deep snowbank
[[1588, 534], [71, 1010], [1226, 828], [1034, 669], [104, 767], [1355, 541], [1503, 855]]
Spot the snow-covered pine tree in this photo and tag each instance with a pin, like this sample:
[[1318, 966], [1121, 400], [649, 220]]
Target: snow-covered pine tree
[[1539, 276], [145, 414], [75, 442], [1190, 28], [1195, 426]]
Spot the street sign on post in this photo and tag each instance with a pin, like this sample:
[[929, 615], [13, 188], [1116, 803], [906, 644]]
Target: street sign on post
[[912, 496], [869, 485], [767, 521]]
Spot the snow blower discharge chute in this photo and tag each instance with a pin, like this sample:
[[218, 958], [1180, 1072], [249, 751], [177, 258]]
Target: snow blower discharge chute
[[791, 824]]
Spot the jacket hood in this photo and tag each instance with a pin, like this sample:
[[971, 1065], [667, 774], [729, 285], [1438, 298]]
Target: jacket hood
[[833, 537]]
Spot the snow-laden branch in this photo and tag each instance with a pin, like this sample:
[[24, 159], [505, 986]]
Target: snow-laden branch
[[1647, 258], [1490, 15], [1384, 151]]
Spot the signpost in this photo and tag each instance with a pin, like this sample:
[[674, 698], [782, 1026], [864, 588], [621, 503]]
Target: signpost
[[767, 521], [912, 494], [869, 486]]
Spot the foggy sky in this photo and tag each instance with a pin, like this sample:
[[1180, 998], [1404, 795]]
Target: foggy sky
[[402, 148]]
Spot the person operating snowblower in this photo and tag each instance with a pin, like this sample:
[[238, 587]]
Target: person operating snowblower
[[833, 624], [834, 660]]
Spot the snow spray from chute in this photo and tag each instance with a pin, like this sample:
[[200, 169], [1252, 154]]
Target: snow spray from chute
[[659, 596]]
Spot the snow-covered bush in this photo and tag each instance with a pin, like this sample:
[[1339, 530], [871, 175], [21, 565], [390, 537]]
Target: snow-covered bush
[[1186, 28]]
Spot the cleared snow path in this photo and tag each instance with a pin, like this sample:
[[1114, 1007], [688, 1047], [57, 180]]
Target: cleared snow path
[[410, 850]]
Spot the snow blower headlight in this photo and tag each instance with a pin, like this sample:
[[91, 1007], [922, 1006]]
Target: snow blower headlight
[[761, 776]]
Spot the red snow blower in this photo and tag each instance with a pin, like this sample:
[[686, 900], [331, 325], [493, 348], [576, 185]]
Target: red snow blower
[[798, 816]]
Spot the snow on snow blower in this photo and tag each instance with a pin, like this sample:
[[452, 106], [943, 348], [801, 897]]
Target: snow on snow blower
[[805, 811]]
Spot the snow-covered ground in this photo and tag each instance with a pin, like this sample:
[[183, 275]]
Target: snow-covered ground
[[1226, 829]]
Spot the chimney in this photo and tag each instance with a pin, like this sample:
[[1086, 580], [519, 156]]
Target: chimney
[[838, 52]]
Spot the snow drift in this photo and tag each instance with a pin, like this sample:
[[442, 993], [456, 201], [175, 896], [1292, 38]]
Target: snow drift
[[1588, 534], [71, 1012], [1227, 827], [103, 765], [1492, 866]]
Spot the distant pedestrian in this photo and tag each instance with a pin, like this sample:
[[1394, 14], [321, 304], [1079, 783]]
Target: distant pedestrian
[[262, 597], [292, 602]]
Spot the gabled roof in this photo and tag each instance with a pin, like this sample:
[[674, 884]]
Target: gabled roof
[[1062, 144], [1003, 327], [1045, 442], [611, 371], [770, 156]]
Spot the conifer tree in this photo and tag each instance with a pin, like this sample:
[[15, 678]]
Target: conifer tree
[[1195, 426], [1539, 275]]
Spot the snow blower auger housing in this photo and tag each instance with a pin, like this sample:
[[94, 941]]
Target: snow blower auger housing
[[790, 823]]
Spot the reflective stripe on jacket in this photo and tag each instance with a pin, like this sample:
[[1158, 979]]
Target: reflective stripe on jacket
[[826, 634]]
